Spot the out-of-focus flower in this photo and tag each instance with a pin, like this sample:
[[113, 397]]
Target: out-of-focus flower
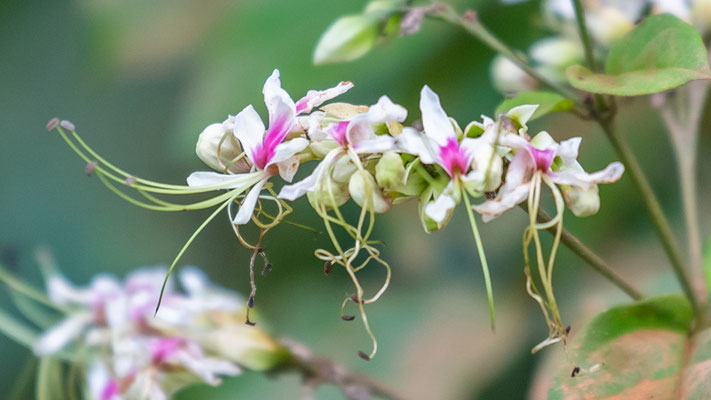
[[509, 77], [197, 336], [267, 149]]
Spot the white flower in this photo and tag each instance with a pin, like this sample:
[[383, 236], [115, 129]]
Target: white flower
[[267, 149]]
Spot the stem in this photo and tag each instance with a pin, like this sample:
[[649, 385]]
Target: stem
[[471, 24], [598, 264], [659, 221], [584, 36], [482, 257], [317, 370]]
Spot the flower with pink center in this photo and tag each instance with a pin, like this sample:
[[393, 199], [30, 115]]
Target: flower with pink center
[[538, 156], [267, 148], [354, 137], [464, 160]]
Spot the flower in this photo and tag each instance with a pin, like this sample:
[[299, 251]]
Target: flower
[[267, 149], [465, 161], [554, 163], [133, 354], [353, 137]]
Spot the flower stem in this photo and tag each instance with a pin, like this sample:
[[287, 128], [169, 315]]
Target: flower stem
[[659, 221], [473, 26], [598, 264], [482, 257]]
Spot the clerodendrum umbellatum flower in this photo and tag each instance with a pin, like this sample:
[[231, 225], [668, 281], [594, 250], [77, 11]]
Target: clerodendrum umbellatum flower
[[465, 160], [198, 336], [269, 150], [351, 138], [543, 161]]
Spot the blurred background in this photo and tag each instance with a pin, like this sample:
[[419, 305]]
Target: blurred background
[[142, 79]]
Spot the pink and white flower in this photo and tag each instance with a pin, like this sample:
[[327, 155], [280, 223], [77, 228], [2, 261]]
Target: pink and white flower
[[465, 160], [555, 163], [267, 149], [353, 137]]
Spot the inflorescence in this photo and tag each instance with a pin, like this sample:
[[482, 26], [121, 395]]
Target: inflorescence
[[366, 154]]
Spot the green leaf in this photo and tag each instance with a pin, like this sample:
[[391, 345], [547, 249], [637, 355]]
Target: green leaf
[[640, 351], [662, 53], [548, 102]]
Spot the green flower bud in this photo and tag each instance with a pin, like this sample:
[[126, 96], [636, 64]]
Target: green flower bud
[[322, 147], [217, 147], [343, 168], [582, 202], [390, 172], [509, 77], [360, 185], [322, 197]]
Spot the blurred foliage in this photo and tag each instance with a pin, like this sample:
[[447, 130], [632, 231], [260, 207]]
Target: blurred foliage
[[142, 79]]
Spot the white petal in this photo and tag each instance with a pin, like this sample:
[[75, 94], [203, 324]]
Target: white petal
[[287, 149], [415, 143], [506, 199], [288, 168], [223, 181], [440, 209], [249, 129], [245, 210], [61, 291], [611, 173], [568, 150], [523, 113], [282, 110], [315, 98], [61, 334], [435, 121], [308, 184], [386, 111], [378, 144]]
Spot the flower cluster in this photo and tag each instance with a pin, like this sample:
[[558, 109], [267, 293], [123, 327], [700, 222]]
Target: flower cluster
[[129, 353], [366, 154], [608, 21]]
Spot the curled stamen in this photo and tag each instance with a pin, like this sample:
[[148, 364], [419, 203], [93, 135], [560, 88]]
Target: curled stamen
[[348, 317], [363, 355]]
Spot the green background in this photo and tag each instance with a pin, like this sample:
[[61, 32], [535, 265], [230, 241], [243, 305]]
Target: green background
[[141, 79]]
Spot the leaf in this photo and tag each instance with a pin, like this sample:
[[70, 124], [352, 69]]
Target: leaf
[[548, 102], [662, 53], [642, 350]]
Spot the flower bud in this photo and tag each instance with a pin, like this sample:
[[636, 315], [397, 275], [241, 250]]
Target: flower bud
[[322, 197], [390, 172], [360, 185], [429, 224], [582, 202], [701, 15], [342, 170], [219, 154], [509, 78], [608, 25], [489, 163], [245, 345], [554, 54]]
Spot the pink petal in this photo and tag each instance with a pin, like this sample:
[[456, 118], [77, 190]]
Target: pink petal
[[315, 98]]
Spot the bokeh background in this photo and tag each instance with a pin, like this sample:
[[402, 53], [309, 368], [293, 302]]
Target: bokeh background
[[142, 79]]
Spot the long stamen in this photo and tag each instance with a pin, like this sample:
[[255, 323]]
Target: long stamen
[[482, 257]]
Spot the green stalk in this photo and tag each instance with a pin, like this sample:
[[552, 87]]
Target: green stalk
[[482, 257]]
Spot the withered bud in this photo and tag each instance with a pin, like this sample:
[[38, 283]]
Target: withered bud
[[347, 317], [267, 269], [363, 356], [327, 266], [567, 329], [90, 167], [52, 124], [67, 125]]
